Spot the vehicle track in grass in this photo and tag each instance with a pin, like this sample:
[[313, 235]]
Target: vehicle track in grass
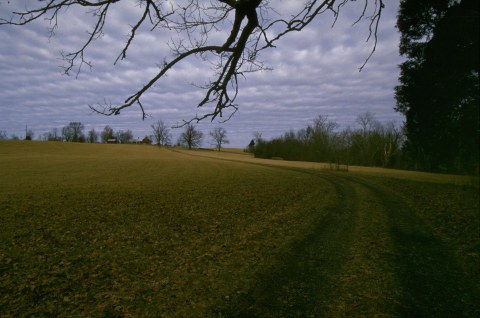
[[343, 268], [302, 280], [428, 276], [369, 256], [160, 235]]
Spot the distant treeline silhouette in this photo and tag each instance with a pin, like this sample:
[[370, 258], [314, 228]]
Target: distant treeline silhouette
[[372, 144]]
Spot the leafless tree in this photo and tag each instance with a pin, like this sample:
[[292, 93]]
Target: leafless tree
[[74, 132], [257, 136], [124, 137], [107, 133], [190, 137], [219, 137], [323, 126], [92, 136], [54, 135], [161, 133], [367, 122], [393, 139], [250, 26]]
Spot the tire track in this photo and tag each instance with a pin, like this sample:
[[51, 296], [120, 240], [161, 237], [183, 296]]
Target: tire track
[[367, 286], [370, 256], [430, 284], [338, 270], [304, 280]]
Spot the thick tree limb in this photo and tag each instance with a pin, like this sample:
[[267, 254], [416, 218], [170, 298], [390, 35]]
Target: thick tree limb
[[135, 98], [193, 21]]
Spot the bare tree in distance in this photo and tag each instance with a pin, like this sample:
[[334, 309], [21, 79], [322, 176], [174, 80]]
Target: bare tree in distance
[[392, 138], [107, 133], [92, 136], [367, 122], [190, 137], [257, 136], [124, 137], [219, 137], [161, 133], [54, 135], [322, 125], [74, 132], [250, 27]]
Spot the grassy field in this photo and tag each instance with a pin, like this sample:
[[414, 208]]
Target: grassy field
[[134, 230]]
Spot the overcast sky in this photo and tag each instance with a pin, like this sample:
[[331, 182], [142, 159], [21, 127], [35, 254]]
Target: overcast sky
[[314, 72]]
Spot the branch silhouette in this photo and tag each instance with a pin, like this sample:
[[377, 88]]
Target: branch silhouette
[[193, 21]]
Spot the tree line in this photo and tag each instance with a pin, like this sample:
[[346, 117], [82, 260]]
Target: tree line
[[161, 135], [75, 132], [371, 144], [190, 137]]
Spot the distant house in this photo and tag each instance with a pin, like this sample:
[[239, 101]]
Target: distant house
[[111, 141]]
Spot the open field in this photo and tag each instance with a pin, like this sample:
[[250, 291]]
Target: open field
[[134, 230]]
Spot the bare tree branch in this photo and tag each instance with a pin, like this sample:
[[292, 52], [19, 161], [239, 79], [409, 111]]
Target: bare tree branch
[[135, 98], [249, 33], [146, 13]]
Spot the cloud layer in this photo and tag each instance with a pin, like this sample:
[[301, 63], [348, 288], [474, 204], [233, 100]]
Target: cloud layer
[[314, 72]]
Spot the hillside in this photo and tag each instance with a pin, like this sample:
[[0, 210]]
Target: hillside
[[135, 230]]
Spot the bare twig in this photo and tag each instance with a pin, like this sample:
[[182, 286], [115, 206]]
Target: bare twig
[[248, 33]]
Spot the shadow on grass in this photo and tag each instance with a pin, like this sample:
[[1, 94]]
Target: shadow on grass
[[434, 285], [301, 283], [432, 282]]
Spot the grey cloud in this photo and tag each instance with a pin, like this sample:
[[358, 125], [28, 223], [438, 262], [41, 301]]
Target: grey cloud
[[314, 72]]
